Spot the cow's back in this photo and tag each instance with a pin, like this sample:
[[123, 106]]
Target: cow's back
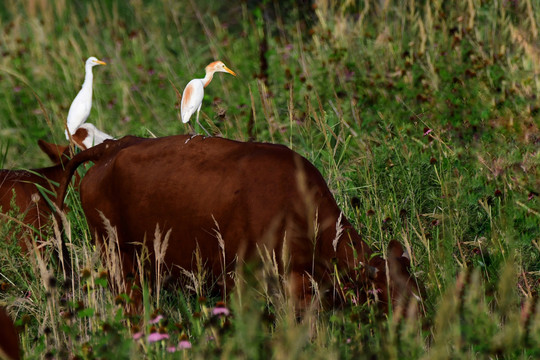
[[203, 189]]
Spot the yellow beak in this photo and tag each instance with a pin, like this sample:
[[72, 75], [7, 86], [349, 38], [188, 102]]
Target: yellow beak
[[229, 71], [100, 62]]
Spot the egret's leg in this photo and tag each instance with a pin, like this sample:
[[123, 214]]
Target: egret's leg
[[191, 129], [202, 127]]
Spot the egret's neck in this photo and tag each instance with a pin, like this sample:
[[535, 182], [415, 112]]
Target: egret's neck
[[88, 78], [207, 78]]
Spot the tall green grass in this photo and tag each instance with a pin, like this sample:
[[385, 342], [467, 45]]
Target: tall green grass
[[421, 115]]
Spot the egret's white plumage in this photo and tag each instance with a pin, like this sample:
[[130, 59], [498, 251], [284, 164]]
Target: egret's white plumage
[[194, 92], [87, 135], [82, 104]]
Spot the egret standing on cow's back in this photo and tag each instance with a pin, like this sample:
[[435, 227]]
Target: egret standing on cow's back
[[194, 92], [82, 104]]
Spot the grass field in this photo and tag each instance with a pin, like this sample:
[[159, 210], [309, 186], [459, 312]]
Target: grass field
[[423, 117]]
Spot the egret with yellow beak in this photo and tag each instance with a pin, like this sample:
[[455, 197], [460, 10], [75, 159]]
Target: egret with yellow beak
[[82, 104], [194, 92]]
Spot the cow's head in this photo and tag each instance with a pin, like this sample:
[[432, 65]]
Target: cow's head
[[391, 280], [57, 153]]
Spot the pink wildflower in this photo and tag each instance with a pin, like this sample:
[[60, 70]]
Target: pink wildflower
[[427, 131], [137, 335], [349, 75], [184, 344], [156, 319], [374, 291], [153, 337], [171, 349], [220, 309]]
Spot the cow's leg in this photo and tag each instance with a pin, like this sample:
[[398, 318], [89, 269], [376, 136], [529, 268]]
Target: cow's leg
[[123, 274], [133, 283], [302, 291]]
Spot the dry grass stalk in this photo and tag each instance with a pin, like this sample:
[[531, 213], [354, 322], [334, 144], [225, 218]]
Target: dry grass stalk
[[197, 278], [339, 232], [271, 280], [57, 239], [113, 258], [160, 250], [268, 107], [530, 14], [221, 243]]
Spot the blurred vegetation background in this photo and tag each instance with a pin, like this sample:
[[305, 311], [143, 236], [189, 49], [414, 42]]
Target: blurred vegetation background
[[423, 117]]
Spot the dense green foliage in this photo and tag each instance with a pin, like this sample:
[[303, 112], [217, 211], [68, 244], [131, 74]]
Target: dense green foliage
[[423, 117]]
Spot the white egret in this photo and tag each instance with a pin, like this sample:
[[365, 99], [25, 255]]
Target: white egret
[[194, 92], [82, 104], [87, 135]]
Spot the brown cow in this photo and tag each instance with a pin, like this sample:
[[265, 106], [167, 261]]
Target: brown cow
[[9, 339], [24, 183], [229, 201], [20, 187]]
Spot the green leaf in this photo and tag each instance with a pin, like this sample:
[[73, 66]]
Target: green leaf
[[88, 312]]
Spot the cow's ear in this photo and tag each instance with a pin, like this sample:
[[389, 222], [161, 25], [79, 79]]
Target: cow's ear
[[397, 253], [53, 151], [395, 250]]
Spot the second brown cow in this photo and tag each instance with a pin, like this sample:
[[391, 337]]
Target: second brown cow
[[25, 191], [230, 201]]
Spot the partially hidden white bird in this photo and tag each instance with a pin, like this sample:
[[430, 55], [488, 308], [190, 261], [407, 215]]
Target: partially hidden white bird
[[82, 104], [87, 135], [194, 92]]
